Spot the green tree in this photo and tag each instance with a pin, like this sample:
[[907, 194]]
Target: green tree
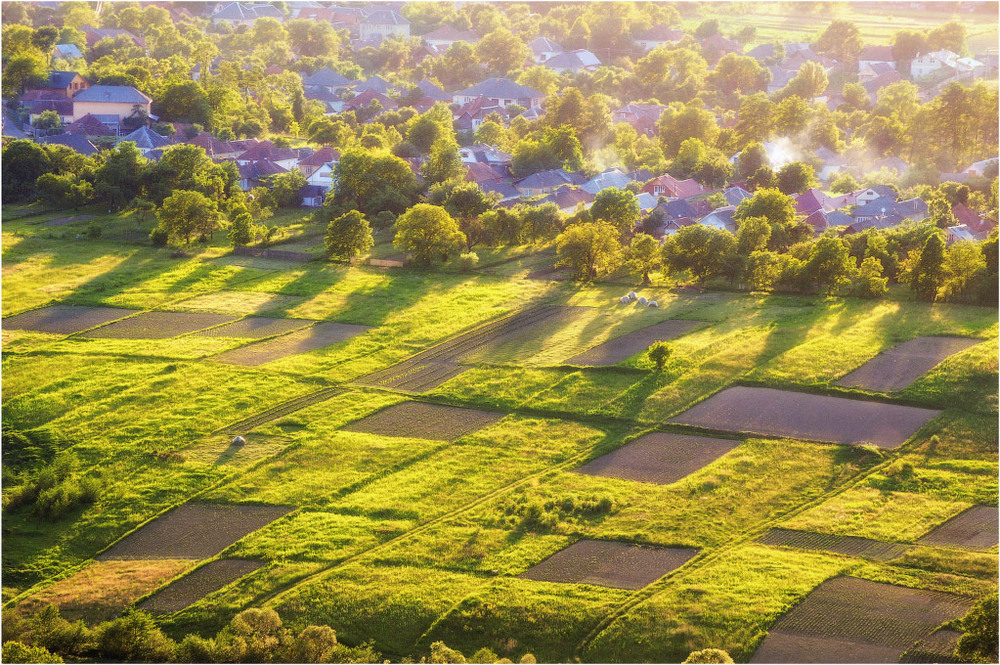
[[688, 122], [242, 230], [444, 162], [644, 256], [763, 178], [16, 652], [709, 656], [928, 271], [590, 249], [185, 213], [285, 187], [429, 232], [702, 251], [979, 643], [841, 40], [184, 101], [122, 175], [829, 264], [23, 162], [739, 74], [502, 51], [752, 235], [950, 36], [618, 207], [779, 209], [501, 226], [752, 157], [348, 236], [134, 637], [961, 271], [810, 81], [844, 183], [796, 177], [869, 282], [373, 181], [659, 353]]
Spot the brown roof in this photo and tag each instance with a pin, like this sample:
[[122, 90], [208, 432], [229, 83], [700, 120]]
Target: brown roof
[[88, 125], [321, 157]]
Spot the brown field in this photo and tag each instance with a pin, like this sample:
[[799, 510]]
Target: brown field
[[159, 325], [429, 369], [199, 583], [193, 531], [609, 564], [938, 648], [64, 319], [866, 548], [104, 588], [901, 365], [256, 327], [425, 421], [659, 458], [800, 415], [238, 302], [62, 221], [975, 528], [616, 350], [315, 337], [857, 621]]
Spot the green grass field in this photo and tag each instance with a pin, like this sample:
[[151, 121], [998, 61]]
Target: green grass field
[[404, 541]]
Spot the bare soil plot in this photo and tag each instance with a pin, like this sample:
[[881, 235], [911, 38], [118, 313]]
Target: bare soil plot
[[975, 528], [616, 350], [659, 458], [199, 583], [193, 531], [239, 302], [64, 319], [425, 421], [610, 564], [938, 648], [800, 415], [318, 336], [256, 327], [866, 548], [62, 221], [846, 619], [429, 369], [104, 588], [159, 325], [901, 365]]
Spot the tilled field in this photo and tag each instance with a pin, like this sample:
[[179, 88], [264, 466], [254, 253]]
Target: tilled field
[[256, 327], [429, 369], [857, 621], [938, 648], [901, 365], [975, 528], [616, 350], [159, 325], [800, 415], [64, 319], [866, 548], [659, 458], [315, 337], [425, 421], [193, 587], [238, 302], [609, 564], [193, 531], [104, 588]]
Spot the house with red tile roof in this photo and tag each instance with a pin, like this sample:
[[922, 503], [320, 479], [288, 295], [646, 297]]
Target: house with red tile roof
[[670, 187]]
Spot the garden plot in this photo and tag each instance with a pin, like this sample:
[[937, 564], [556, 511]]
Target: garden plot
[[938, 648], [659, 458], [975, 528], [849, 620], [64, 319], [616, 350], [256, 327], [104, 588], [159, 325], [800, 415], [193, 531], [901, 365], [315, 337], [429, 369], [865, 548], [419, 420], [609, 564], [239, 302], [193, 587]]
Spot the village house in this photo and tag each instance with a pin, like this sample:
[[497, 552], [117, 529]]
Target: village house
[[874, 55], [59, 85], [547, 181], [501, 92], [579, 60], [118, 101], [641, 117], [89, 125], [569, 199], [258, 173], [239, 13], [613, 177], [73, 141], [265, 151], [957, 66], [214, 148], [658, 35], [480, 152], [317, 160], [312, 195], [327, 79], [720, 218], [66, 51], [670, 187], [146, 140], [94, 35], [822, 220], [543, 48], [382, 24], [442, 38]]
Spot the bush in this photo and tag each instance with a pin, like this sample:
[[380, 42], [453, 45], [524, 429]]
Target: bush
[[134, 636], [94, 230], [468, 261], [15, 652], [709, 656], [979, 643], [159, 237], [659, 353]]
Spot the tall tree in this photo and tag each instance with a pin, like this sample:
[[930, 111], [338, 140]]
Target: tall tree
[[348, 235], [429, 232], [185, 213], [589, 249]]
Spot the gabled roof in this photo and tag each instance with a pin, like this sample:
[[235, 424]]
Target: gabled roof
[[449, 33], [74, 141], [540, 45], [676, 209], [118, 94], [260, 169], [612, 177], [374, 83], [63, 107], [762, 51], [810, 201], [265, 151], [236, 11], [385, 17], [720, 217], [95, 35], [500, 88], [88, 125], [366, 98], [326, 77], [213, 146], [59, 80], [661, 33], [481, 172], [322, 156], [736, 194], [506, 190], [569, 197], [881, 81], [720, 43], [574, 60], [546, 179], [67, 51], [877, 54], [433, 91], [146, 139]]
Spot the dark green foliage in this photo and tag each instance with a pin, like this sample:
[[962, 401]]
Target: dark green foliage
[[927, 273], [979, 643]]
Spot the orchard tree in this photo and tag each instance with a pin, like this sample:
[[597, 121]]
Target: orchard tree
[[659, 354], [502, 51], [286, 188], [620, 207], [122, 175], [752, 235], [589, 249], [779, 210], [979, 642], [23, 162], [444, 162], [644, 256], [348, 236], [702, 251], [677, 125], [185, 213], [796, 177], [242, 230], [927, 272], [740, 74], [829, 264], [428, 232], [869, 281], [841, 41]]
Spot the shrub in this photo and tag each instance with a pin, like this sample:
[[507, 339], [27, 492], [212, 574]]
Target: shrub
[[709, 656], [94, 230], [659, 353], [159, 237], [134, 636], [15, 652], [468, 261], [979, 643]]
